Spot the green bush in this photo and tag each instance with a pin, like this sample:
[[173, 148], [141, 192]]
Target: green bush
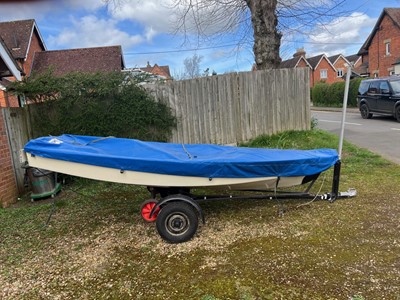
[[95, 104], [336, 93], [320, 94], [353, 91], [323, 94]]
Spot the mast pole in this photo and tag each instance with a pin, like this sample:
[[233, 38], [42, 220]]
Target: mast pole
[[346, 95]]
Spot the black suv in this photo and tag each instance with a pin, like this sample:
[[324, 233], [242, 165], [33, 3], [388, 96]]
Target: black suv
[[380, 96]]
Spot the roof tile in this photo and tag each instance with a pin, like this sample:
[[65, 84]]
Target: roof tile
[[16, 36], [87, 60]]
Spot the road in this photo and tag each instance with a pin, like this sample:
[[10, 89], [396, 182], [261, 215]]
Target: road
[[381, 134]]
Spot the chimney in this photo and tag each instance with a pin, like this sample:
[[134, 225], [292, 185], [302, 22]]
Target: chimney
[[148, 65], [300, 52]]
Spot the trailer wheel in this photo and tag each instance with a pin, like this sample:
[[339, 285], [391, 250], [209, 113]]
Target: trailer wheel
[[146, 208], [177, 222]]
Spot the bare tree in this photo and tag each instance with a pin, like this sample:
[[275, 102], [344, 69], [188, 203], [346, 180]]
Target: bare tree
[[267, 20], [192, 66], [262, 22]]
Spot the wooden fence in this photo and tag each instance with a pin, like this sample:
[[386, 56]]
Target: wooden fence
[[232, 108], [18, 127]]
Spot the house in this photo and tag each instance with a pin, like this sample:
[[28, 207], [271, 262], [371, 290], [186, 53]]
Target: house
[[340, 63], [159, 71], [19, 41], [358, 67], [23, 52], [355, 60], [327, 69], [380, 53], [323, 70], [86, 60], [298, 61]]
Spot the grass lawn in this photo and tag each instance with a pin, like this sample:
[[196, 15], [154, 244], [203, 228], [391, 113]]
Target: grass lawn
[[96, 245]]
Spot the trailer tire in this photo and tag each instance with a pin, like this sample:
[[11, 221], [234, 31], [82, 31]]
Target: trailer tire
[[177, 222]]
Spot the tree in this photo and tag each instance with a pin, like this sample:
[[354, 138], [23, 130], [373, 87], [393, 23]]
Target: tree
[[192, 66], [265, 20], [268, 20]]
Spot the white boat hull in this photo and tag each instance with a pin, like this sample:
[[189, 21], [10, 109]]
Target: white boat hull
[[159, 180]]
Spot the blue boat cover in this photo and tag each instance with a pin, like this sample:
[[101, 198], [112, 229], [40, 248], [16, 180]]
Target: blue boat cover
[[201, 160]]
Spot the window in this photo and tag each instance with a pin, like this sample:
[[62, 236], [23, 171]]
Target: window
[[323, 74], [340, 73], [395, 86], [387, 47], [363, 88], [374, 87], [384, 88]]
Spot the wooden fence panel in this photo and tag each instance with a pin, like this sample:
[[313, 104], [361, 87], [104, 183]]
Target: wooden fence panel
[[19, 132], [232, 108]]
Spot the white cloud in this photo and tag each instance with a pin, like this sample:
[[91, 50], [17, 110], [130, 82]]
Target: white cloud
[[39, 9], [90, 5], [341, 34], [164, 16], [26, 10], [89, 31], [154, 14]]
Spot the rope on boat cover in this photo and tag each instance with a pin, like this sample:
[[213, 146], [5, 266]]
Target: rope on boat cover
[[187, 152]]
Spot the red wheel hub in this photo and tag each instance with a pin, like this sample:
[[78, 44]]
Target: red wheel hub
[[146, 210]]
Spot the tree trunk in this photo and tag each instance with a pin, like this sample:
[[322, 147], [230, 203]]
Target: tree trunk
[[267, 39]]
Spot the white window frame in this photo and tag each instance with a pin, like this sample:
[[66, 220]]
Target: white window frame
[[387, 48], [339, 72], [323, 74]]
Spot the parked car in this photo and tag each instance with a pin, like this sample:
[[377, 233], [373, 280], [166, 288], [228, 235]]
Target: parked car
[[381, 96]]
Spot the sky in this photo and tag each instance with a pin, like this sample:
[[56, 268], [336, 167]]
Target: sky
[[147, 31]]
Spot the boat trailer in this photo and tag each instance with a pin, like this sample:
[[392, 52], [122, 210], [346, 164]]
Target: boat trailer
[[176, 211]]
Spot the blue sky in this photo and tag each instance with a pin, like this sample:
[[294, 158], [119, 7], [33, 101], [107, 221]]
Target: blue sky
[[144, 29]]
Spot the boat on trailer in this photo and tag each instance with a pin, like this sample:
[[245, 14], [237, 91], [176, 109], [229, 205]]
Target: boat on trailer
[[171, 170]]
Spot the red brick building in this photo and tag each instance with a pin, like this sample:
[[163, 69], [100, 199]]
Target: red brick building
[[22, 51], [19, 41], [298, 61], [340, 63], [8, 185], [381, 51], [161, 71], [322, 68]]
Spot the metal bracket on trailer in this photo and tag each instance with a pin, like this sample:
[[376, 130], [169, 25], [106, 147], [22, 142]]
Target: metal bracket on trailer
[[179, 197]]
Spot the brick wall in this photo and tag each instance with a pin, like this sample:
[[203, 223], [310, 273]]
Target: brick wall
[[8, 187], [331, 72], [3, 99], [379, 62], [8, 100], [341, 64], [35, 46]]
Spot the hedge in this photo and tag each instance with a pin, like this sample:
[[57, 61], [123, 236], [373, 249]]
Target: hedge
[[99, 104], [324, 94]]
